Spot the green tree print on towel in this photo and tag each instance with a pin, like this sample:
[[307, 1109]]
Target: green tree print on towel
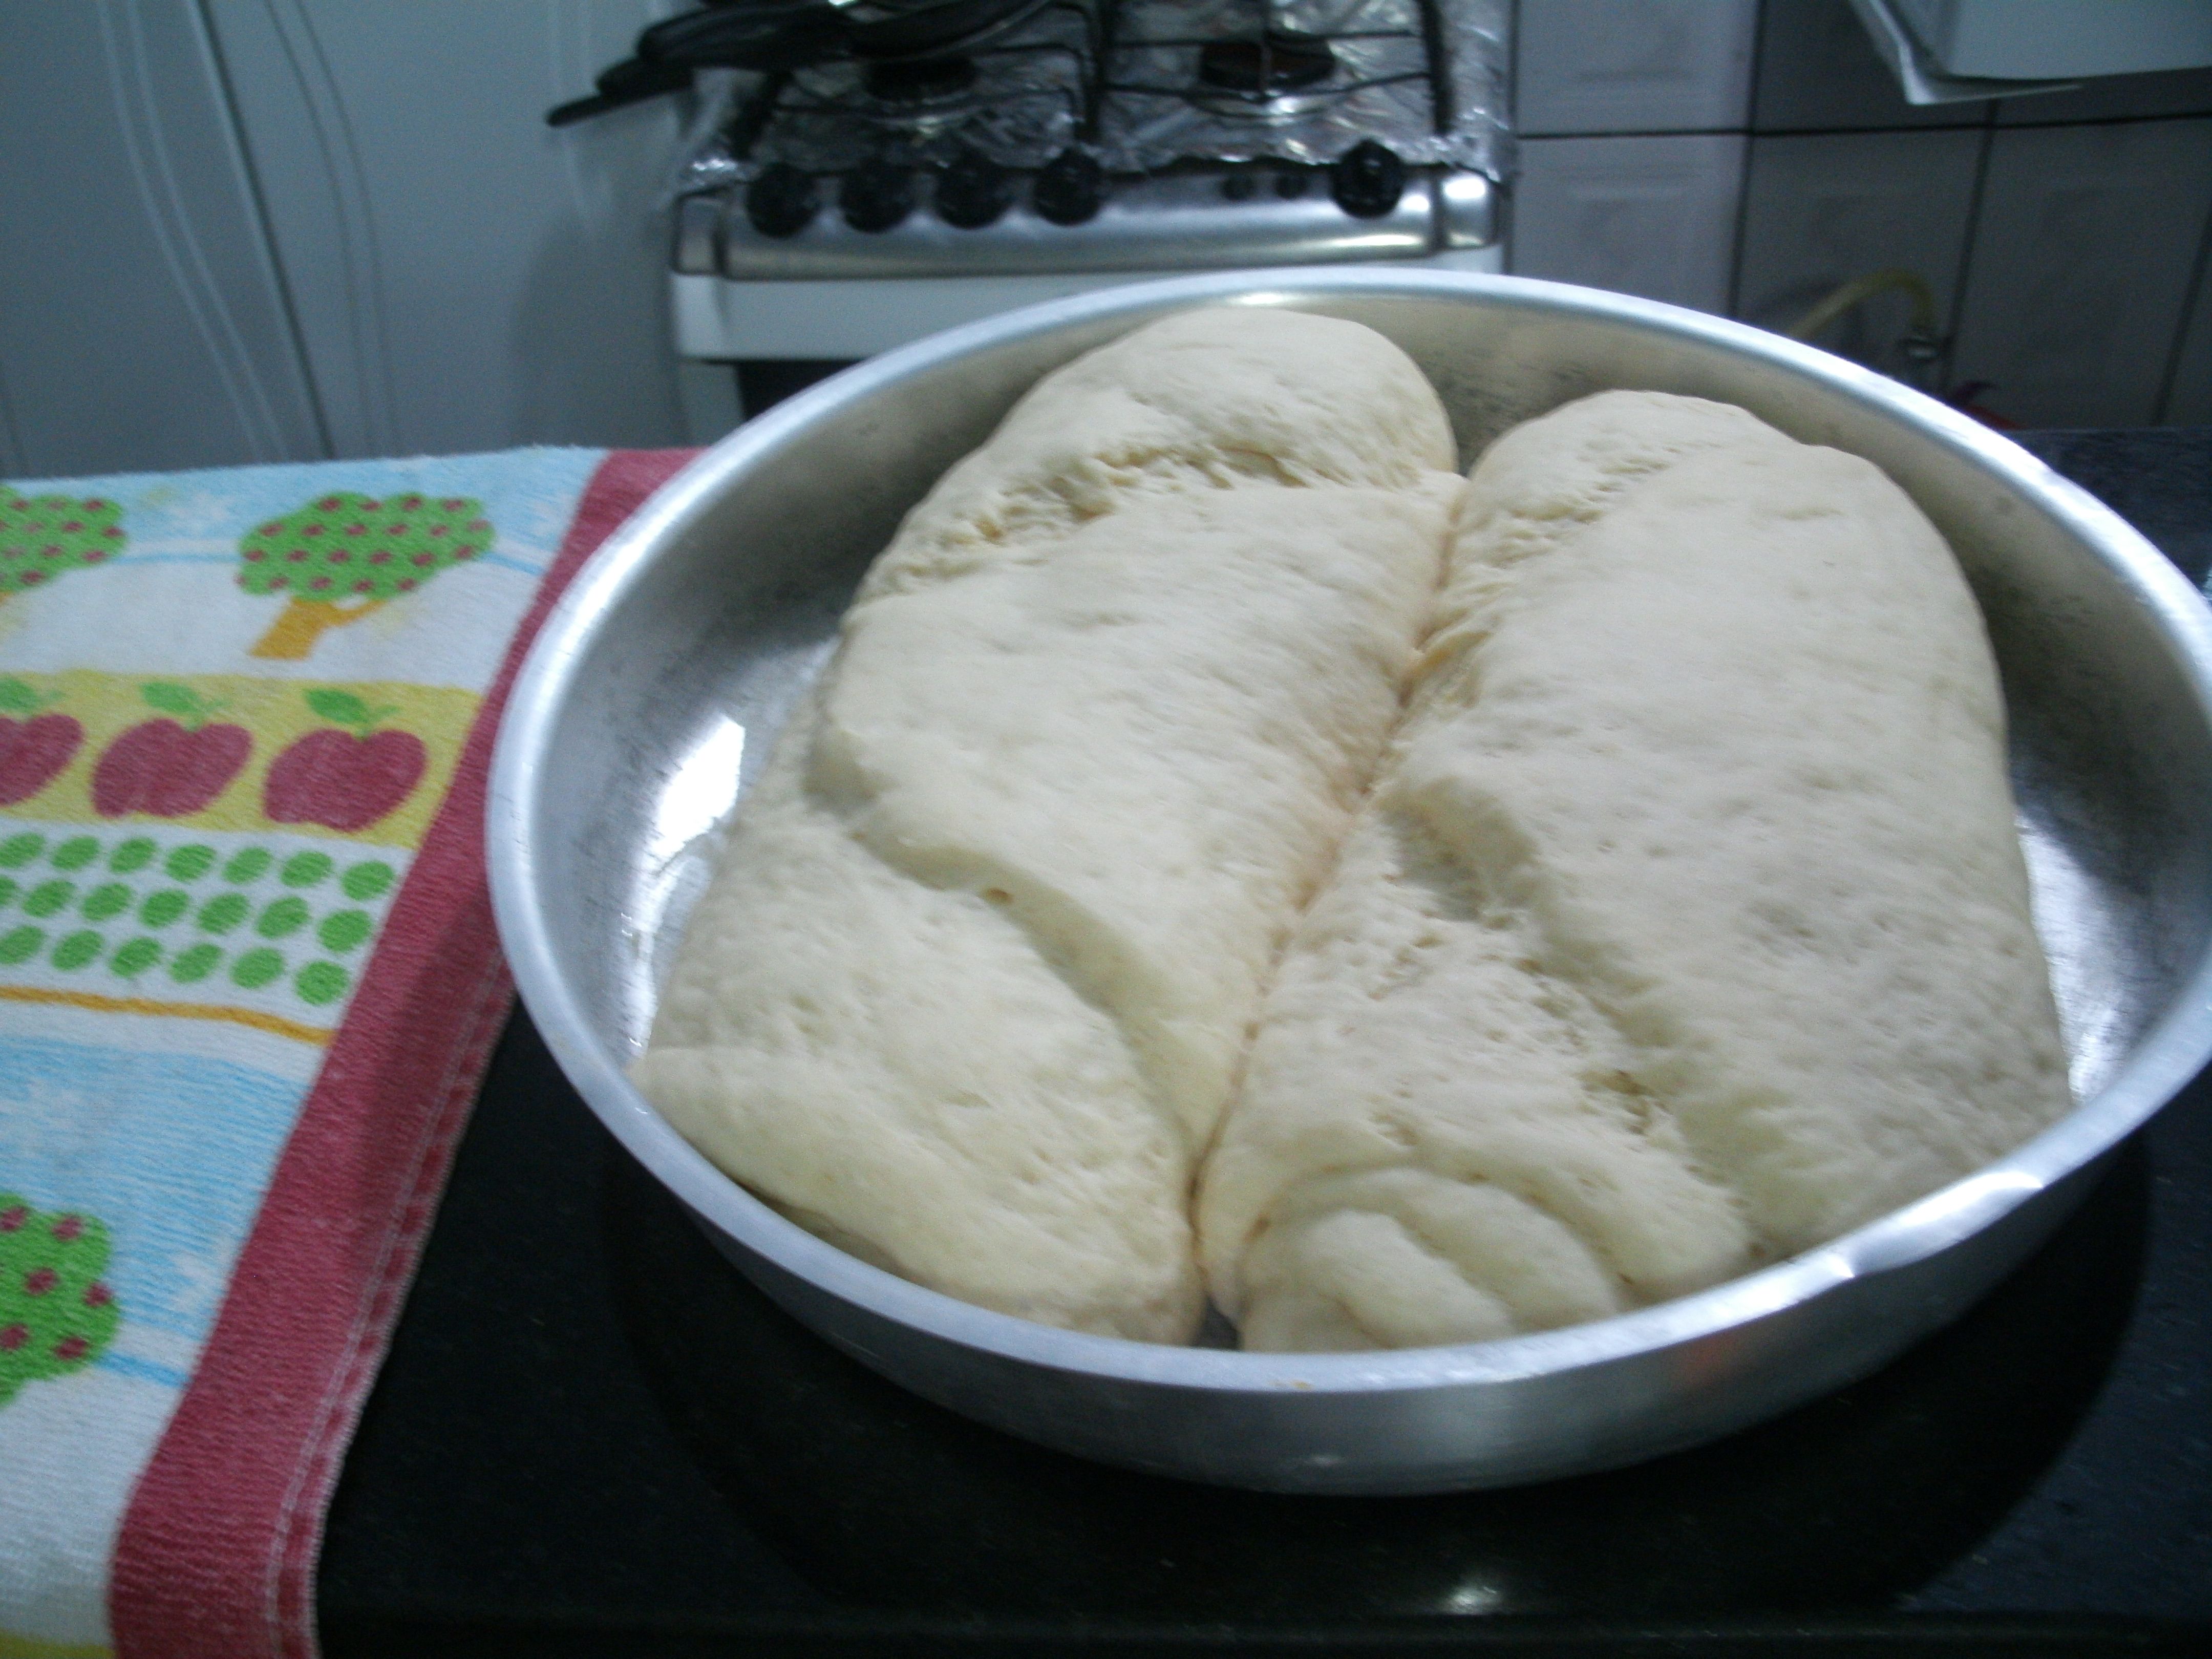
[[43, 537], [343, 556], [56, 1316]]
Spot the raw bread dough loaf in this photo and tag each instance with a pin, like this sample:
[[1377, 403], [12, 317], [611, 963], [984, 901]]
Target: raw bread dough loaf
[[968, 992], [1688, 927]]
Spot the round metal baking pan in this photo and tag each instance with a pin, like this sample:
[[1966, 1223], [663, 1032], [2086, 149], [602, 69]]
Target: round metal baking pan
[[658, 685]]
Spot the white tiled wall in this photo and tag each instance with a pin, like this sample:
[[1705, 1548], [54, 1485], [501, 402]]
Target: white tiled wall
[[1818, 73], [1651, 215], [2127, 97], [1821, 209], [1597, 66], [1674, 150], [2082, 266]]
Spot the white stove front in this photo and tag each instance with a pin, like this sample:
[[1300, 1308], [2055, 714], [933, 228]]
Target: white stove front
[[719, 320]]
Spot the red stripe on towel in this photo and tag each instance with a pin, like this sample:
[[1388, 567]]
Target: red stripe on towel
[[217, 1555]]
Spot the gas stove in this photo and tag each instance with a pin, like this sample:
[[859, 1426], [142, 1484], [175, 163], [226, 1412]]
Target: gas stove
[[1072, 138]]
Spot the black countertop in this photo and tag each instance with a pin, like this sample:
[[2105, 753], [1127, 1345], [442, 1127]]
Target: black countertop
[[592, 1436]]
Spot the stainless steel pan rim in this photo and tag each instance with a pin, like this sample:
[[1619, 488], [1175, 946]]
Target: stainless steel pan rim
[[2165, 1058]]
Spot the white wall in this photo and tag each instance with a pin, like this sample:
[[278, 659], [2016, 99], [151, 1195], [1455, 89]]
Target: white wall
[[464, 277], [247, 230], [143, 320]]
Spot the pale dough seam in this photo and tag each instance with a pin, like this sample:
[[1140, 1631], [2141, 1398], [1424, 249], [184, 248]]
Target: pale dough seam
[[1325, 876]]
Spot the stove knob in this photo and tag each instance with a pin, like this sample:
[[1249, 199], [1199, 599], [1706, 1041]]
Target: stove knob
[[972, 192], [781, 202], [1070, 188], [1367, 180], [875, 195]]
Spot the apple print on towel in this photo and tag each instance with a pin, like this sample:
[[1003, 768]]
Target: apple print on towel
[[343, 779], [343, 556], [56, 1316], [170, 767], [43, 537], [35, 743]]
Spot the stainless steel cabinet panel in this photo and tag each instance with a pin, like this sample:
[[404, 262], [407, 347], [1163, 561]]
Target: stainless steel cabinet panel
[[2059, 39], [1822, 209], [466, 277], [2123, 97], [1585, 66], [2189, 398], [1654, 216], [2083, 257], [143, 325], [1818, 72]]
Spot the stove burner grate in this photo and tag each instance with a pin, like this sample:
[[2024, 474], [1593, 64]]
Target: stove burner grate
[[1145, 85], [1301, 80], [1017, 99], [1161, 113], [1262, 66], [907, 82]]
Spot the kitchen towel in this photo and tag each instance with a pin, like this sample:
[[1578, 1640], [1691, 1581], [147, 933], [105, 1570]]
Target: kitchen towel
[[248, 985]]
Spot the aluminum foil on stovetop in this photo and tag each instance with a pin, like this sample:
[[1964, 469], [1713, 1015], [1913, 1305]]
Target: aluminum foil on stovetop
[[1382, 88], [1024, 106], [1026, 103]]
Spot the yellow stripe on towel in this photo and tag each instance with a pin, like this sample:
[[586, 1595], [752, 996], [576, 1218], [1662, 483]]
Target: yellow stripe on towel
[[260, 1022]]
